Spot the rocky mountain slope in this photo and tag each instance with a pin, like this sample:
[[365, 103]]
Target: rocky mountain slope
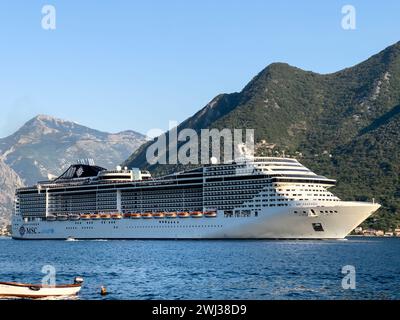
[[47, 145], [345, 125], [9, 181]]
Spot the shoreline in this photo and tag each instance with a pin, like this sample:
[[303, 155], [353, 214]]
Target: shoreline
[[371, 236]]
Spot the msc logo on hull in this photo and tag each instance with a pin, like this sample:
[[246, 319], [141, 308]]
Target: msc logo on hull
[[27, 230], [22, 231]]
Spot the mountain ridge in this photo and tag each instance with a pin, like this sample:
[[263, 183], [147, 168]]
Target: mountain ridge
[[43, 138]]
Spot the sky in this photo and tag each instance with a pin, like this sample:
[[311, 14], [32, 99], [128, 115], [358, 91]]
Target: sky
[[136, 65]]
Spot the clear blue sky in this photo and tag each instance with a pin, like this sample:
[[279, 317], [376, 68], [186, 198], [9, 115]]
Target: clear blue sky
[[117, 65]]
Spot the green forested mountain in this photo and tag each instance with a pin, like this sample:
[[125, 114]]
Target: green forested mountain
[[345, 125]]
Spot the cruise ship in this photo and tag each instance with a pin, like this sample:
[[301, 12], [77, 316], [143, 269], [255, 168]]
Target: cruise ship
[[256, 198]]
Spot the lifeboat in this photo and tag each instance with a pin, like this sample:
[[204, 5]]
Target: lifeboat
[[85, 216], [105, 216], [51, 218], [158, 215], [116, 216], [147, 215], [25, 290], [170, 215], [136, 215], [127, 215], [95, 216], [196, 214], [74, 217], [210, 214], [183, 214], [62, 217]]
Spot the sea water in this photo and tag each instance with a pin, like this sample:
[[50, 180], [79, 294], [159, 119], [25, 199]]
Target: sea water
[[220, 269]]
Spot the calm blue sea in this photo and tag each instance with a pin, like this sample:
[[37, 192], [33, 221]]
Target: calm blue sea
[[211, 269]]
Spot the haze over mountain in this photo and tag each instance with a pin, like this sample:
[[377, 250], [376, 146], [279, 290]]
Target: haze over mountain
[[345, 125], [47, 145]]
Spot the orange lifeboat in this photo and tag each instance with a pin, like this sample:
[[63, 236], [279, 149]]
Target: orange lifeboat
[[158, 215], [85, 216], [183, 214], [95, 216], [147, 215], [136, 215], [116, 216], [196, 214], [105, 216], [170, 215], [210, 214]]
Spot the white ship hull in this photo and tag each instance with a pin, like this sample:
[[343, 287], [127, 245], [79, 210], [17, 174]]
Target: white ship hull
[[294, 222]]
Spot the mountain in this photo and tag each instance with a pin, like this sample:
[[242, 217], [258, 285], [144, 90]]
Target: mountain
[[9, 181], [345, 125], [47, 145]]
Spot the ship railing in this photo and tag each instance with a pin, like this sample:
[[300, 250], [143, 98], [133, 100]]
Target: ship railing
[[147, 182]]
